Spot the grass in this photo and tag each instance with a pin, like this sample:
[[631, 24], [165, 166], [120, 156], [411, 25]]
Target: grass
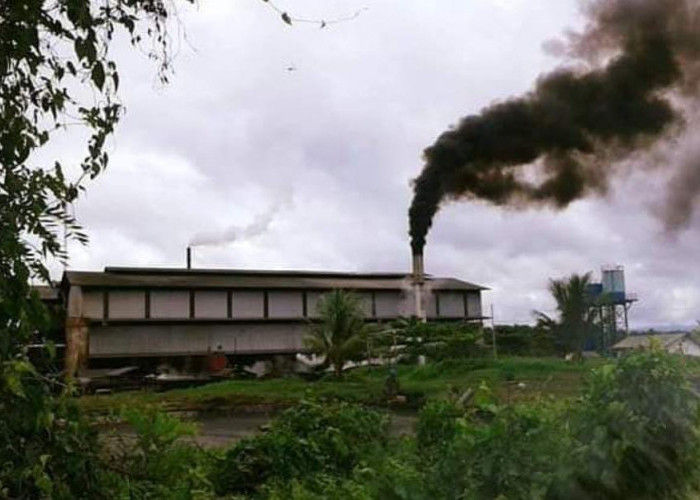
[[510, 379]]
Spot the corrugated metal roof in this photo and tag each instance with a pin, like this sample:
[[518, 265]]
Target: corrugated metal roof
[[227, 278], [644, 341]]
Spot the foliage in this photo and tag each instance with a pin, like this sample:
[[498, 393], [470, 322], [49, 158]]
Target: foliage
[[437, 426], [339, 336], [55, 74], [486, 450], [407, 339], [157, 464], [311, 438], [514, 453], [47, 449], [318, 487], [577, 320], [522, 340], [637, 433], [633, 434]]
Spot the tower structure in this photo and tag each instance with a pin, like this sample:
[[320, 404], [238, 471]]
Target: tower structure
[[612, 303]]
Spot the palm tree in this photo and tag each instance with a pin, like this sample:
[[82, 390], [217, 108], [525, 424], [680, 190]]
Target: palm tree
[[576, 322], [339, 337]]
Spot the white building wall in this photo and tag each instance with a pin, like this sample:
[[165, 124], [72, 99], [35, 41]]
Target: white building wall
[[210, 304], [93, 304], [74, 308], [451, 304], [156, 340], [248, 304], [285, 304], [169, 304], [127, 304], [685, 346], [474, 304], [406, 304], [429, 305], [387, 304]]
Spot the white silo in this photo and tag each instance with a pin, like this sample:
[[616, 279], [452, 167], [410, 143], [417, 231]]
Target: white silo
[[614, 282]]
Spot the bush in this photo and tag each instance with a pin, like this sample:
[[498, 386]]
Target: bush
[[436, 426], [499, 452], [318, 487], [522, 340], [637, 433], [158, 464], [436, 341], [308, 439], [47, 447]]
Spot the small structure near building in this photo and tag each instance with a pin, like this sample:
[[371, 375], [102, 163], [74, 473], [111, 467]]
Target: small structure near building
[[612, 299], [675, 343], [611, 302]]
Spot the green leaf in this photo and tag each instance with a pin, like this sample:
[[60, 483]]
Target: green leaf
[[98, 75], [14, 384]]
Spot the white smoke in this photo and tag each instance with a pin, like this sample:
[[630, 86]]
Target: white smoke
[[260, 225]]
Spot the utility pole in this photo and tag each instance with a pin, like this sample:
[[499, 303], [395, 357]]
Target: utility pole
[[493, 335]]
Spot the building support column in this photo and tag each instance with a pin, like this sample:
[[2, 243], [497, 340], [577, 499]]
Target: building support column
[[77, 345]]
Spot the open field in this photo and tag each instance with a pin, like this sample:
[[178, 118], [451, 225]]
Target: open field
[[510, 379]]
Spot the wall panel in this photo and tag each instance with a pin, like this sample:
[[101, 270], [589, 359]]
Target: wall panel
[[210, 304], [170, 304], [247, 304], [129, 304], [285, 304]]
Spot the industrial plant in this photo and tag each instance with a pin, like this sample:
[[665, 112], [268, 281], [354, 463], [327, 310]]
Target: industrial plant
[[182, 315]]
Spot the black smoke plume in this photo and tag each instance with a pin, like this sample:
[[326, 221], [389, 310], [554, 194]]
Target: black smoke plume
[[636, 61]]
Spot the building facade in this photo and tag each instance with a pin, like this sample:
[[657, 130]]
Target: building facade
[[127, 313]]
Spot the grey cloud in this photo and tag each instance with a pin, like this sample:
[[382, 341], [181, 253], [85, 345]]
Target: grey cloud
[[345, 133]]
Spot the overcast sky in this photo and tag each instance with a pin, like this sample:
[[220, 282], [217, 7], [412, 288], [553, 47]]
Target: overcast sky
[[325, 154]]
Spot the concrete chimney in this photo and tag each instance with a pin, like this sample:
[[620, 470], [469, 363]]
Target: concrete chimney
[[418, 281], [189, 257]]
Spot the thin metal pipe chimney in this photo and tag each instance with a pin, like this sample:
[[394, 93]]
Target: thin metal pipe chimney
[[189, 257], [418, 281]]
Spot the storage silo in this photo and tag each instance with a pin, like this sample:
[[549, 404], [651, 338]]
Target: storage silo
[[614, 283]]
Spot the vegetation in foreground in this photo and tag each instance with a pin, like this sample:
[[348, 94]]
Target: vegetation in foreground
[[631, 433]]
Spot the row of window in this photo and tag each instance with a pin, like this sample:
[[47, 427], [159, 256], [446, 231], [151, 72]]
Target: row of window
[[239, 304], [183, 304]]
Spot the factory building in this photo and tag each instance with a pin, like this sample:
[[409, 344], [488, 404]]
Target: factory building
[[122, 314]]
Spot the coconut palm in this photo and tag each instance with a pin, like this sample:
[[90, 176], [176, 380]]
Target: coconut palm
[[339, 337], [576, 322]]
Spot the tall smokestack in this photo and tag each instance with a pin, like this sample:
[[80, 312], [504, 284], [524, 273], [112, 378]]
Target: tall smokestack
[[189, 257], [637, 65], [418, 281]]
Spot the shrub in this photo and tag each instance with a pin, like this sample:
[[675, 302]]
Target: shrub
[[47, 447], [499, 452], [522, 340], [317, 487], [307, 439], [637, 433], [436, 426], [436, 341], [157, 463]]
